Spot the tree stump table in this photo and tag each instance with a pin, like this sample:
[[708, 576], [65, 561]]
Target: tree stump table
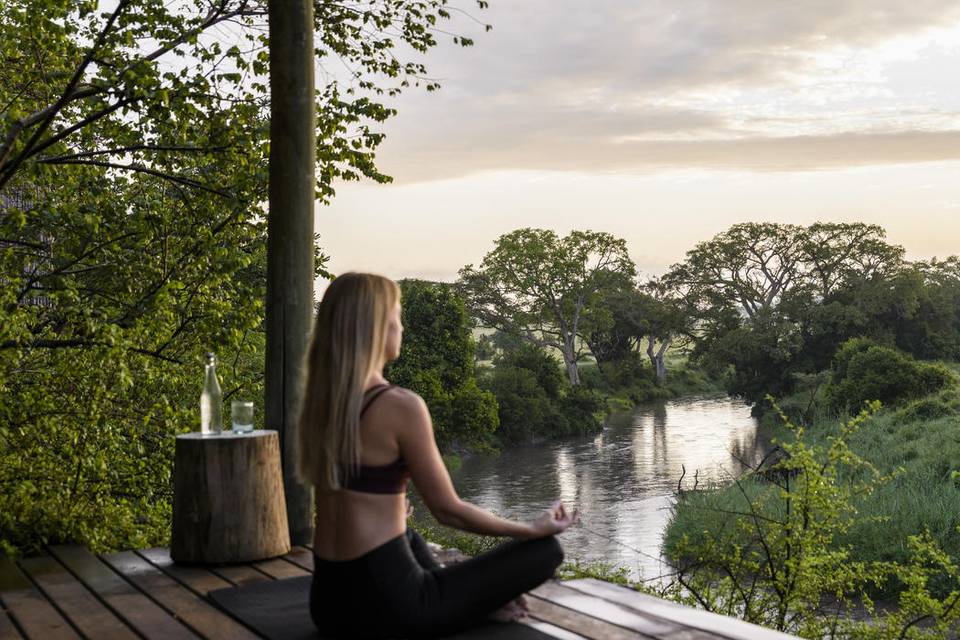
[[228, 502]]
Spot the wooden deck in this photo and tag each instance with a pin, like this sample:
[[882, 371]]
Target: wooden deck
[[72, 593]]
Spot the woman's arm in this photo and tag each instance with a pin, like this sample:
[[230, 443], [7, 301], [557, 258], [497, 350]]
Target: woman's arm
[[419, 449]]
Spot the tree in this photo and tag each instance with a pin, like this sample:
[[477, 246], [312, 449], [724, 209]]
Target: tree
[[757, 266], [130, 90], [536, 400], [934, 329], [436, 361], [751, 266], [486, 349], [617, 323], [627, 317], [773, 299], [542, 287], [835, 254], [668, 319], [133, 149]]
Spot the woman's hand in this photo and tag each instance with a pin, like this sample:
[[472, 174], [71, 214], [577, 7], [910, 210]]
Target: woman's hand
[[554, 520]]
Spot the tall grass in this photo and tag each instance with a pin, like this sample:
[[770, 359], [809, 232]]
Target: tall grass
[[918, 443]]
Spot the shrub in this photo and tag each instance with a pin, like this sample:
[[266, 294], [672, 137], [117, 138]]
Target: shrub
[[626, 372], [864, 371], [924, 409], [535, 399], [583, 410]]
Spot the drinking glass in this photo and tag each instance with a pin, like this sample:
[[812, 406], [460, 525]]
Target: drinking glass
[[241, 415]]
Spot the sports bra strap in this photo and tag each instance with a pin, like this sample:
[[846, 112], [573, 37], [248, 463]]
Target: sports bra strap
[[377, 392]]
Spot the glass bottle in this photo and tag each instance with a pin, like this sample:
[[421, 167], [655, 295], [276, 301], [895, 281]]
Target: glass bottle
[[211, 400]]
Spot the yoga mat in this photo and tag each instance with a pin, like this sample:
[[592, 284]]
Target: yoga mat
[[278, 610]]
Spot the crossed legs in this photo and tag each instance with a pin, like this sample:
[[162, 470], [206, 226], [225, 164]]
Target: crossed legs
[[464, 593]]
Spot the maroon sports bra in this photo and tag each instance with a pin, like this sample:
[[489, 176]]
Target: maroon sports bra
[[387, 478]]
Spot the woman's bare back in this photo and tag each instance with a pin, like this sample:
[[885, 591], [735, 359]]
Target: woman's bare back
[[350, 523]]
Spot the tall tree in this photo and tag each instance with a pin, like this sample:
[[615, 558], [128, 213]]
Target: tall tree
[[837, 253], [751, 265], [133, 155], [774, 299], [541, 287], [618, 323], [668, 319]]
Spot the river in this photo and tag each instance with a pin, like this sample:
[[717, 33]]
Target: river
[[623, 479]]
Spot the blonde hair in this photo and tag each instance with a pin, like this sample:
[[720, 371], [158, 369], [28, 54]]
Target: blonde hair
[[348, 343]]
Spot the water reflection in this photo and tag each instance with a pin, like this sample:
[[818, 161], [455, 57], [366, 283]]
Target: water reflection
[[623, 479]]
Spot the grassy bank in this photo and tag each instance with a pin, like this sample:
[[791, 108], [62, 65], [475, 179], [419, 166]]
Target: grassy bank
[[917, 444]]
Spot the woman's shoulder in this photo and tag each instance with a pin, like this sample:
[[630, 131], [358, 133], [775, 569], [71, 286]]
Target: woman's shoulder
[[402, 394], [404, 399]]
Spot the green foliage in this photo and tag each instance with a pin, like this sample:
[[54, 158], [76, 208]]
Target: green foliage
[[486, 349], [779, 553], [625, 372], [756, 358], [867, 371], [773, 301], [536, 401], [436, 361], [925, 409], [774, 562], [545, 289], [469, 543], [525, 409], [133, 172], [583, 409]]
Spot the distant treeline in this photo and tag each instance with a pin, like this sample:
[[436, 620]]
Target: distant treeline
[[759, 306]]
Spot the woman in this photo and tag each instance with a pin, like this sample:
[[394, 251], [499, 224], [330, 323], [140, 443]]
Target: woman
[[361, 440]]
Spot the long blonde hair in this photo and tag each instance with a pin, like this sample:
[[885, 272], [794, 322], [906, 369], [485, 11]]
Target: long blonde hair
[[349, 338]]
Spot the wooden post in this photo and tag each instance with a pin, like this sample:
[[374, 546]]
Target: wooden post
[[290, 266]]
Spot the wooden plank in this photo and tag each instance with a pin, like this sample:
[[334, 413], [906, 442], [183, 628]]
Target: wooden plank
[[136, 609], [81, 607], [240, 574], [611, 612], [7, 630], [302, 557], [720, 626], [279, 569], [577, 623], [198, 579], [26, 605], [554, 632], [198, 614]]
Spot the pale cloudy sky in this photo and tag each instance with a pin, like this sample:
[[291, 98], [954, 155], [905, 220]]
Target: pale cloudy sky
[[664, 122]]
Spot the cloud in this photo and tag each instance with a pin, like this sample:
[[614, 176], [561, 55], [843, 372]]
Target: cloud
[[657, 45], [638, 85], [791, 153]]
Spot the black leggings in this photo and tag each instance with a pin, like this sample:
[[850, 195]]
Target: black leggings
[[399, 590]]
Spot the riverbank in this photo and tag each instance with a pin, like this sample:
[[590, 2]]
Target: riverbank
[[916, 446], [529, 405]]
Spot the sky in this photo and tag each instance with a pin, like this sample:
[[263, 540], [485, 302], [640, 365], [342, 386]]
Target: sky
[[664, 123]]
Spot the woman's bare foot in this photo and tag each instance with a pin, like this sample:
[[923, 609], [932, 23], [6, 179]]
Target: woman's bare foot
[[514, 610]]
